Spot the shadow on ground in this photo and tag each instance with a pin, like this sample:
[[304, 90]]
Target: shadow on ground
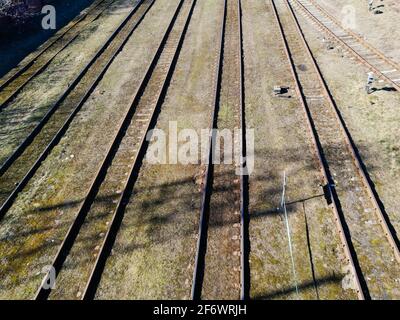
[[305, 285]]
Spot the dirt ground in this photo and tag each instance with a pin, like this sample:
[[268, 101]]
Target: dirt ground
[[26, 110], [372, 119], [378, 29], [283, 144], [154, 252], [38, 220]]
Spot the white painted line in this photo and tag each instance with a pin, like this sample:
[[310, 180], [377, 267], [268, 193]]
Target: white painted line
[[389, 71]]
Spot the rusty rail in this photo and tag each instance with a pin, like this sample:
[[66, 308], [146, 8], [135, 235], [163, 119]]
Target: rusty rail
[[25, 69], [244, 217], [105, 248], [61, 131], [381, 215], [329, 185], [198, 272], [356, 36], [356, 55], [199, 267]]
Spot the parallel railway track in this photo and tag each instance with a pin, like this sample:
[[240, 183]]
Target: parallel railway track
[[223, 213], [352, 36], [223, 208], [20, 167], [384, 68], [119, 169], [352, 198], [13, 83]]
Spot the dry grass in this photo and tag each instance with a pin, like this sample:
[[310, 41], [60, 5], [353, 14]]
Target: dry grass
[[379, 30], [283, 144], [373, 123], [155, 248], [42, 213], [20, 117]]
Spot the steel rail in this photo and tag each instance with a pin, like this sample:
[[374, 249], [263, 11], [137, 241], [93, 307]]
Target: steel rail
[[4, 102], [105, 249], [244, 239], [381, 215], [14, 93], [356, 36], [84, 208], [329, 187], [199, 266], [48, 45], [21, 184], [357, 56], [24, 144], [199, 263]]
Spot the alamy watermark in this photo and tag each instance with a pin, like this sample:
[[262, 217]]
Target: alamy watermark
[[187, 146], [49, 20]]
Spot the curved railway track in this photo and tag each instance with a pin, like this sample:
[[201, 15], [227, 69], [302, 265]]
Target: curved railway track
[[119, 169], [15, 81], [20, 167], [223, 213], [352, 198], [384, 68]]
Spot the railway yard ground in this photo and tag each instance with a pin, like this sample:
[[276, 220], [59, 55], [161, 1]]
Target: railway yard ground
[[204, 149]]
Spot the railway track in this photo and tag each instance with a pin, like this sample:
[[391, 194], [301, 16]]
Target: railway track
[[111, 189], [220, 267], [19, 168], [385, 69], [14, 82], [369, 244]]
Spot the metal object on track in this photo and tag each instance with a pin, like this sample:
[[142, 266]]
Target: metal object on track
[[329, 184]]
